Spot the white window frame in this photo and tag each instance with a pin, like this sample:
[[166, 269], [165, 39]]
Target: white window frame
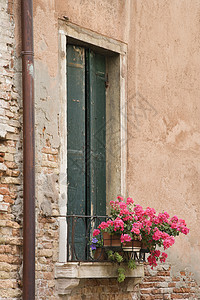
[[67, 29]]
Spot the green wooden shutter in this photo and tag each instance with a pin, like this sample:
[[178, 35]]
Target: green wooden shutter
[[97, 133], [86, 140], [76, 202], [76, 130]]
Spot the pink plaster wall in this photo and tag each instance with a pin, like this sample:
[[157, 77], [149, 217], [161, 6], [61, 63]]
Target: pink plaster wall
[[163, 40], [164, 149]]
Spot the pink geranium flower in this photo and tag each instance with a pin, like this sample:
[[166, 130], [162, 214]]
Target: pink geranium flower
[[157, 234], [129, 220], [96, 232], [168, 242], [125, 238], [129, 201]]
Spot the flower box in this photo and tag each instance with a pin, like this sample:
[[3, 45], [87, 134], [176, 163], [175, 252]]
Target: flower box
[[133, 245], [129, 224], [111, 240]]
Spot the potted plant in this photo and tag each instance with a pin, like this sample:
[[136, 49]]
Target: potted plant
[[96, 245], [135, 226]]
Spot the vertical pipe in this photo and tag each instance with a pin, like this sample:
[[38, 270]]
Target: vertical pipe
[[28, 152]]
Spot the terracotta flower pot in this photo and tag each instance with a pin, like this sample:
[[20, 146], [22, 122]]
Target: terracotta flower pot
[[100, 254], [110, 240], [133, 245], [144, 248]]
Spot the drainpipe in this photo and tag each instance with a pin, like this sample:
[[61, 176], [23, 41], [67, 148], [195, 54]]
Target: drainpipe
[[28, 152]]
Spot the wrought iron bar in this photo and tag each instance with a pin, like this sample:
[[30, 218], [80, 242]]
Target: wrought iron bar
[[79, 237]]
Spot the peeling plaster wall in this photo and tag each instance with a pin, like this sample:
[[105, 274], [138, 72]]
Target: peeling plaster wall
[[163, 106], [10, 154]]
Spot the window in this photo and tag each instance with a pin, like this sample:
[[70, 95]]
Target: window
[[94, 149], [114, 55], [86, 144]]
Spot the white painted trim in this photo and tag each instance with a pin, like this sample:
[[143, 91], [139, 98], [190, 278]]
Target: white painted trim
[[123, 121], [93, 38], [63, 150]]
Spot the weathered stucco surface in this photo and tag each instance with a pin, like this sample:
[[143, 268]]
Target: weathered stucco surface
[[163, 39], [163, 99], [164, 152]]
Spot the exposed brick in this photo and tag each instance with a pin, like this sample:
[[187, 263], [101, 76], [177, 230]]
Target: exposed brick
[[8, 157], [52, 157], [45, 252], [9, 114], [175, 279], [158, 296], [4, 275], [158, 286], [11, 136], [154, 278], [48, 150], [182, 290], [146, 297], [8, 199], [4, 207], [145, 291], [15, 173], [171, 284], [11, 165], [11, 180], [166, 296], [147, 285], [4, 191], [48, 275], [49, 164], [10, 259], [177, 296], [163, 273]]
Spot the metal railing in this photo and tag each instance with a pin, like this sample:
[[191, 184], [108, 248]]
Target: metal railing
[[79, 237]]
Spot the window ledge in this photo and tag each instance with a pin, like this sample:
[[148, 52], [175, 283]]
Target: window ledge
[[69, 274]]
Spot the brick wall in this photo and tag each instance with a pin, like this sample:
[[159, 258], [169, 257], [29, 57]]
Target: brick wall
[[47, 234], [160, 283], [157, 284], [104, 289], [10, 160]]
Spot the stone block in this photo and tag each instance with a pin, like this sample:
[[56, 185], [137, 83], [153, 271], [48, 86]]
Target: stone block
[[3, 167], [4, 275], [9, 114], [49, 164], [3, 148], [4, 207], [11, 180], [11, 136], [45, 253], [11, 165]]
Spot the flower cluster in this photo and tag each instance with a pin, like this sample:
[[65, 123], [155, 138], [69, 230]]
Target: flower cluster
[[96, 242], [132, 222]]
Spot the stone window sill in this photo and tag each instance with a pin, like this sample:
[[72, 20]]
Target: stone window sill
[[69, 274]]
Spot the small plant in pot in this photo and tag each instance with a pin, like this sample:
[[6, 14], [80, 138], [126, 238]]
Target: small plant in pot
[[96, 245], [133, 225]]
